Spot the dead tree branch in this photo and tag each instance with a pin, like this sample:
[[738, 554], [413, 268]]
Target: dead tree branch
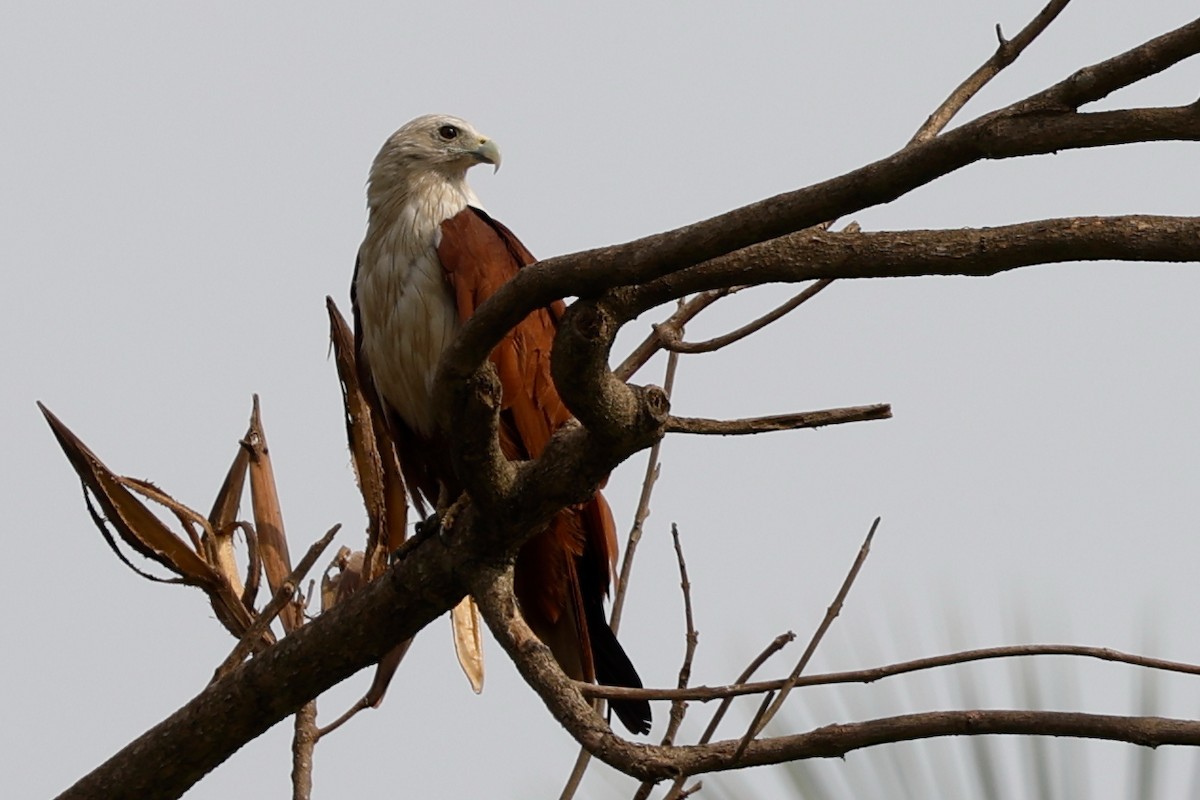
[[740, 687], [779, 422], [657, 762]]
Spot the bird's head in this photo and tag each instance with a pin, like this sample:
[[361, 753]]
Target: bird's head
[[434, 145]]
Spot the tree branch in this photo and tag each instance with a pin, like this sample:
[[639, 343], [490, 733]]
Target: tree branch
[[283, 596], [1006, 53], [655, 341], [238, 707], [779, 422], [673, 341], [896, 254], [740, 687], [656, 762]]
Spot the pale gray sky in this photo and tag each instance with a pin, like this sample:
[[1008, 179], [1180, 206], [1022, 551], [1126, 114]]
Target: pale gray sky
[[182, 186]]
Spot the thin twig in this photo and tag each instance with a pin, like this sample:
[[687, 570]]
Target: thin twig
[[778, 422], [777, 644], [1006, 53], [686, 311], [653, 467], [282, 597], [679, 707], [360, 705], [760, 719], [304, 739], [835, 608], [576, 777], [688, 792], [740, 688], [673, 342]]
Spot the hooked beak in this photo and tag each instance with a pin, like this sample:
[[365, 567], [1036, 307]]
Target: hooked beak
[[488, 153]]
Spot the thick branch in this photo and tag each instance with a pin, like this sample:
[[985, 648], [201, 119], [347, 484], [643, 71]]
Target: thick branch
[[1100, 80], [474, 425], [611, 409], [976, 252], [255, 695]]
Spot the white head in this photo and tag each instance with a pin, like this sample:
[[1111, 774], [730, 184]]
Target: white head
[[434, 146]]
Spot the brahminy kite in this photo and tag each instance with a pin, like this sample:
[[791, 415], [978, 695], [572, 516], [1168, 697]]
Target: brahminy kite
[[431, 256]]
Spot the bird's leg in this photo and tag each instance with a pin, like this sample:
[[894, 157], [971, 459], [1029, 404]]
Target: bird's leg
[[438, 523], [449, 508]]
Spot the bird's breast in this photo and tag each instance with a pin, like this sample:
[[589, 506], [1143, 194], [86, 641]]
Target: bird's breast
[[408, 317]]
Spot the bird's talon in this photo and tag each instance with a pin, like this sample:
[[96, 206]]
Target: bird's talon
[[430, 526]]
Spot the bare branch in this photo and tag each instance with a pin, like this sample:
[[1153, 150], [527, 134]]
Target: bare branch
[[283, 596], [1098, 81], [895, 254], [608, 407], [692, 638], [672, 342], [653, 467], [654, 762], [1006, 53], [777, 644], [780, 422], [835, 608], [654, 342], [740, 687], [304, 740], [582, 760]]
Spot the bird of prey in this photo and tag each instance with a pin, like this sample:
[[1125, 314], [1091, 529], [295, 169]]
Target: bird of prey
[[431, 256]]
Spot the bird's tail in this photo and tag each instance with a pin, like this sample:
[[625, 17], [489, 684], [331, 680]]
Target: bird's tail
[[613, 667]]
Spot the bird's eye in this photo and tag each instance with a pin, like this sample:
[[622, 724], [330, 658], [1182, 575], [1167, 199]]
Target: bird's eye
[[448, 132]]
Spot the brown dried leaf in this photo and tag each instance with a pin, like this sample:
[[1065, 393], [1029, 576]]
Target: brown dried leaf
[[223, 522], [268, 517], [142, 530], [374, 456], [253, 565], [188, 518], [468, 641], [137, 526]]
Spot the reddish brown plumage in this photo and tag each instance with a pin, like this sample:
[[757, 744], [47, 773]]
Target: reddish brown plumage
[[562, 574]]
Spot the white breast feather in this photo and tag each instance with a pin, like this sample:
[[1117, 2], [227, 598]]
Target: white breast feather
[[407, 310]]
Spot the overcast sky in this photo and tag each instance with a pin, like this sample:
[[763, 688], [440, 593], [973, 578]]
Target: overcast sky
[[182, 185]]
